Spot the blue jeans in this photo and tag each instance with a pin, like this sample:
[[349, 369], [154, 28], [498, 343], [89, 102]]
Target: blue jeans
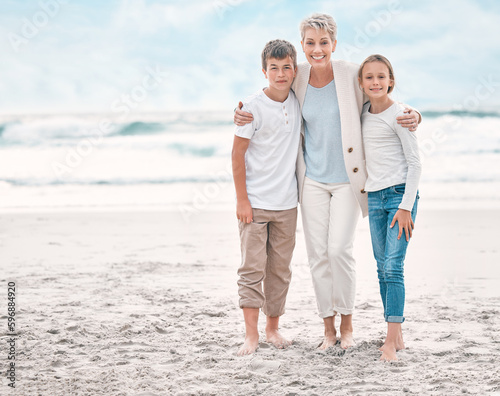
[[389, 252]]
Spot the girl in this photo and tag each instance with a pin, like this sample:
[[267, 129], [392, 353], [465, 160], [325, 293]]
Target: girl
[[393, 166]]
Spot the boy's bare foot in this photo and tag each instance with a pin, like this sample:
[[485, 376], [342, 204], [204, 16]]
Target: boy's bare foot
[[274, 337], [249, 346], [388, 353], [251, 343]]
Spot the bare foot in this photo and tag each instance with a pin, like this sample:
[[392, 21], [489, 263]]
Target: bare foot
[[400, 345], [346, 339], [388, 353], [329, 340], [249, 346], [274, 337]]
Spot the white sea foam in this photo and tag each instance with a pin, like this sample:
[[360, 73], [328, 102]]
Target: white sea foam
[[174, 148]]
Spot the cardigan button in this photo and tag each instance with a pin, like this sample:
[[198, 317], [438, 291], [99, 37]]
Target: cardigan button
[[355, 170], [350, 150]]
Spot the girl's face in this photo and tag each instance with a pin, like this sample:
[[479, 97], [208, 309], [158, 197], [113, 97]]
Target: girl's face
[[375, 80], [318, 47]]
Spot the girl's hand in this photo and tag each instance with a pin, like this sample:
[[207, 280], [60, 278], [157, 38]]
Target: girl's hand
[[242, 117], [244, 211], [403, 217], [410, 120]]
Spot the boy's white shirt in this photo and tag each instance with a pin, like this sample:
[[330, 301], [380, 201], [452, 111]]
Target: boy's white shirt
[[271, 156]]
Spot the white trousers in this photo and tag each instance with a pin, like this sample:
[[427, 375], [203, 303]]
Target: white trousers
[[330, 213]]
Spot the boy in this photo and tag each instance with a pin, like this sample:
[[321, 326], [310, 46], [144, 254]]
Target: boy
[[264, 156]]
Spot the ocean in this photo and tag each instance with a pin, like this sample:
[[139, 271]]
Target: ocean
[[153, 160]]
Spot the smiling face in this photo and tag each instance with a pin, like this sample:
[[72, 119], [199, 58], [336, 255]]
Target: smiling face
[[280, 73], [318, 47], [375, 80]]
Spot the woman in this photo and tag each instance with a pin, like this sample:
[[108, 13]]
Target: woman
[[331, 171]]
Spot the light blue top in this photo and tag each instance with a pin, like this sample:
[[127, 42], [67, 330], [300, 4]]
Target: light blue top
[[323, 152]]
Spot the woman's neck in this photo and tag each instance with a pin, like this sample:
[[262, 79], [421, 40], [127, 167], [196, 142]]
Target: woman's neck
[[321, 76], [378, 105]]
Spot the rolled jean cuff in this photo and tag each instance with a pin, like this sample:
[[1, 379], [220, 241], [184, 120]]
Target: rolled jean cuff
[[394, 319]]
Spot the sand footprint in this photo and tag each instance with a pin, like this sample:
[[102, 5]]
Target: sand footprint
[[264, 366]]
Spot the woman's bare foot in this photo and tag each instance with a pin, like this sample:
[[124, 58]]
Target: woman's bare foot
[[330, 338], [346, 337], [388, 353], [274, 337], [328, 341], [250, 345]]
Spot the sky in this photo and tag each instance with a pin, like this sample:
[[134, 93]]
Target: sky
[[89, 56]]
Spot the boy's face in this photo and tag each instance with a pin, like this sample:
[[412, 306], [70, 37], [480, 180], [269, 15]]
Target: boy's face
[[280, 73]]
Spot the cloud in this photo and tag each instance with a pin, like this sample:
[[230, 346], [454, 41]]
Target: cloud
[[92, 52]]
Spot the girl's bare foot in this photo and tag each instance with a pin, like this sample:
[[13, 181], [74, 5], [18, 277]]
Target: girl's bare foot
[[393, 340], [400, 345], [388, 353], [250, 345]]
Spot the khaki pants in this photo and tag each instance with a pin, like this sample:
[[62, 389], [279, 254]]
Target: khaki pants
[[266, 252]]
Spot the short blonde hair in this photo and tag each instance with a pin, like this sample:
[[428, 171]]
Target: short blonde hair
[[385, 61], [319, 22]]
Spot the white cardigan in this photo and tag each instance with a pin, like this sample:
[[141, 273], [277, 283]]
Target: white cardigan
[[351, 99]]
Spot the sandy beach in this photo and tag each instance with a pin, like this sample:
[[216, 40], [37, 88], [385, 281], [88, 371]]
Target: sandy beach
[[145, 303]]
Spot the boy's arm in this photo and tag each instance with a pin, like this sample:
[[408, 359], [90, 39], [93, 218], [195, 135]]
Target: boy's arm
[[243, 207]]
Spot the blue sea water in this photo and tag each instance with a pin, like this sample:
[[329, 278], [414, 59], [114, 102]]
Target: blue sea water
[[175, 148]]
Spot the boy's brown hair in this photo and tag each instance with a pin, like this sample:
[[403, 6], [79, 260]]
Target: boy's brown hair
[[278, 49]]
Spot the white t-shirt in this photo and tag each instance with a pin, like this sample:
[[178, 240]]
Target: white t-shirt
[[392, 153], [270, 159]]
